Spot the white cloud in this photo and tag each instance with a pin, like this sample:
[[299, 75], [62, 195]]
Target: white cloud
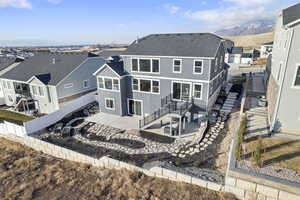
[[249, 3], [16, 3], [172, 9], [55, 1], [231, 16]]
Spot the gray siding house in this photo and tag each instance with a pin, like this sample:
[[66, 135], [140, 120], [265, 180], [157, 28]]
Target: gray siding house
[[284, 77], [159, 69], [46, 81]]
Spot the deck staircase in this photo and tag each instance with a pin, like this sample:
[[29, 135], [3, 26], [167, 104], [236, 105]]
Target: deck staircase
[[168, 106]]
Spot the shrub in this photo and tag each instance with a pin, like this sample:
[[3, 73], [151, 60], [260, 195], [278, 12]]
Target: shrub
[[257, 155], [177, 163], [240, 137]]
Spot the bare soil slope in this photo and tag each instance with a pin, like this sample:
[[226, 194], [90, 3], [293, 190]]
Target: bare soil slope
[[27, 174], [251, 41]]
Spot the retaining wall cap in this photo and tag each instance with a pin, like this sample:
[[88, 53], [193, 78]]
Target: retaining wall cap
[[267, 191], [288, 196]]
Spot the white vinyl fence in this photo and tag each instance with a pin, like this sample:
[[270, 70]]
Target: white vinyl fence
[[47, 120], [7, 128]]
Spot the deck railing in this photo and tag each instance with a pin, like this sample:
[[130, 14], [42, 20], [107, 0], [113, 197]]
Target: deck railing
[[171, 107]]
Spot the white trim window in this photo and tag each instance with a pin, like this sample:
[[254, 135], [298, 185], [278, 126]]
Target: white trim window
[[297, 77], [100, 83], [116, 84], [198, 91], [198, 67], [34, 90], [134, 65], [9, 85], [68, 85], [4, 84], [107, 83], [155, 86], [41, 91], [85, 84], [145, 65], [135, 84], [110, 103], [177, 65], [146, 85]]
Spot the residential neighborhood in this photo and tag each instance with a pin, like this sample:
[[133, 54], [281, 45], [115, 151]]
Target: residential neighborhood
[[168, 114]]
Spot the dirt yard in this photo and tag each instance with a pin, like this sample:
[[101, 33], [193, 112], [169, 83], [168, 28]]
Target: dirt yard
[[27, 174]]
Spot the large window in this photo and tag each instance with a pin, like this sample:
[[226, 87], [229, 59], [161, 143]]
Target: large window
[[181, 91], [197, 91], [108, 83], [145, 65], [297, 79], [109, 104], [177, 66], [145, 85], [198, 66]]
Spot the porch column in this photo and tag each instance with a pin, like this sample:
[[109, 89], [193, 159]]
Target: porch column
[[180, 128], [171, 123]]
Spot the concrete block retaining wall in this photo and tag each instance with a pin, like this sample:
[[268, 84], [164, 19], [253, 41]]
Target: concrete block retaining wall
[[107, 162], [251, 186]]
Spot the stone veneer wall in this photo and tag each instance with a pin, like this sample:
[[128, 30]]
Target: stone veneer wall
[[272, 94], [107, 162], [251, 186]]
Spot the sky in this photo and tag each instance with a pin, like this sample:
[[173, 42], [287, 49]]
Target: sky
[[122, 21]]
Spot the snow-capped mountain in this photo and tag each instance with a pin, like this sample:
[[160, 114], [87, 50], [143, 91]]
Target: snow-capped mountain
[[250, 28]]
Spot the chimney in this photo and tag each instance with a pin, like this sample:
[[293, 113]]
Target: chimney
[[53, 61]]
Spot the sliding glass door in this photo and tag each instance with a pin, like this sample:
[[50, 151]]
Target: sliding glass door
[[134, 107], [181, 91]]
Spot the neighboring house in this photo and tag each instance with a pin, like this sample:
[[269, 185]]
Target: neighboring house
[[160, 69], [234, 55], [284, 79], [46, 81], [266, 49], [228, 44], [5, 65]]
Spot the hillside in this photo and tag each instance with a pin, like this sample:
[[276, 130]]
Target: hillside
[[251, 41], [28, 174]]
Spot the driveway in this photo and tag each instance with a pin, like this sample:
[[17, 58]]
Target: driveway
[[125, 122]]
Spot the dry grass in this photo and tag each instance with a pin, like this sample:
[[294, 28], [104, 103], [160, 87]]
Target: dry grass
[[27, 174], [14, 117], [280, 152], [252, 41]]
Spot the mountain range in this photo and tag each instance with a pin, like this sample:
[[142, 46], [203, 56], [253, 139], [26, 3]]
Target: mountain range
[[249, 28]]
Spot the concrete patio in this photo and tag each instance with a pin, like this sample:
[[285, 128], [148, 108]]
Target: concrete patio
[[121, 122]]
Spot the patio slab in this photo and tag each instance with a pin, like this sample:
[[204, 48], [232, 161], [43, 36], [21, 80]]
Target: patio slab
[[121, 122]]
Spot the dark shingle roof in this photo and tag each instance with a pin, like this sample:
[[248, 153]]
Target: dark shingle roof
[[118, 67], [291, 14], [109, 53], [237, 50], [50, 68], [185, 44], [7, 61]]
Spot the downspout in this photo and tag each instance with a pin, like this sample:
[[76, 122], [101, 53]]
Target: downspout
[[281, 86]]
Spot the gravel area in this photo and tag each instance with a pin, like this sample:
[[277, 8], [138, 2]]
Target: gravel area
[[275, 171], [205, 174]]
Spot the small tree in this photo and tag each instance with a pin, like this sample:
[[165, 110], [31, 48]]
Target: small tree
[[240, 137], [257, 155]]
